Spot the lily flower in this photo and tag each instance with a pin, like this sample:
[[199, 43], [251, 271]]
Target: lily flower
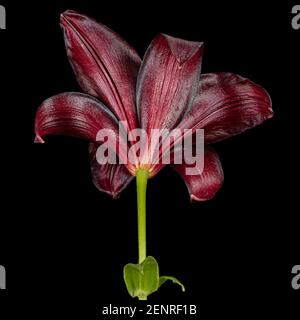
[[164, 91]]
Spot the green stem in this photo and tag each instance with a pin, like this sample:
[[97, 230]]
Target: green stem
[[141, 187]]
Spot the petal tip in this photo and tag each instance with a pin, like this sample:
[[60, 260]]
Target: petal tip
[[115, 196], [66, 15], [270, 114], [194, 198], [39, 139], [183, 50]]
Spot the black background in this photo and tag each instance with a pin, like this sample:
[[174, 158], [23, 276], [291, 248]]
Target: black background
[[64, 243]]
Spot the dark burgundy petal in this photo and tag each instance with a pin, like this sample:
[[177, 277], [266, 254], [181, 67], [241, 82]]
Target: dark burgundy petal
[[227, 104], [105, 65], [167, 81], [203, 186], [109, 178], [73, 114]]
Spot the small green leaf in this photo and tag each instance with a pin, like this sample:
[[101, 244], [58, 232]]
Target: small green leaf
[[150, 278], [163, 279], [132, 278], [142, 279]]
